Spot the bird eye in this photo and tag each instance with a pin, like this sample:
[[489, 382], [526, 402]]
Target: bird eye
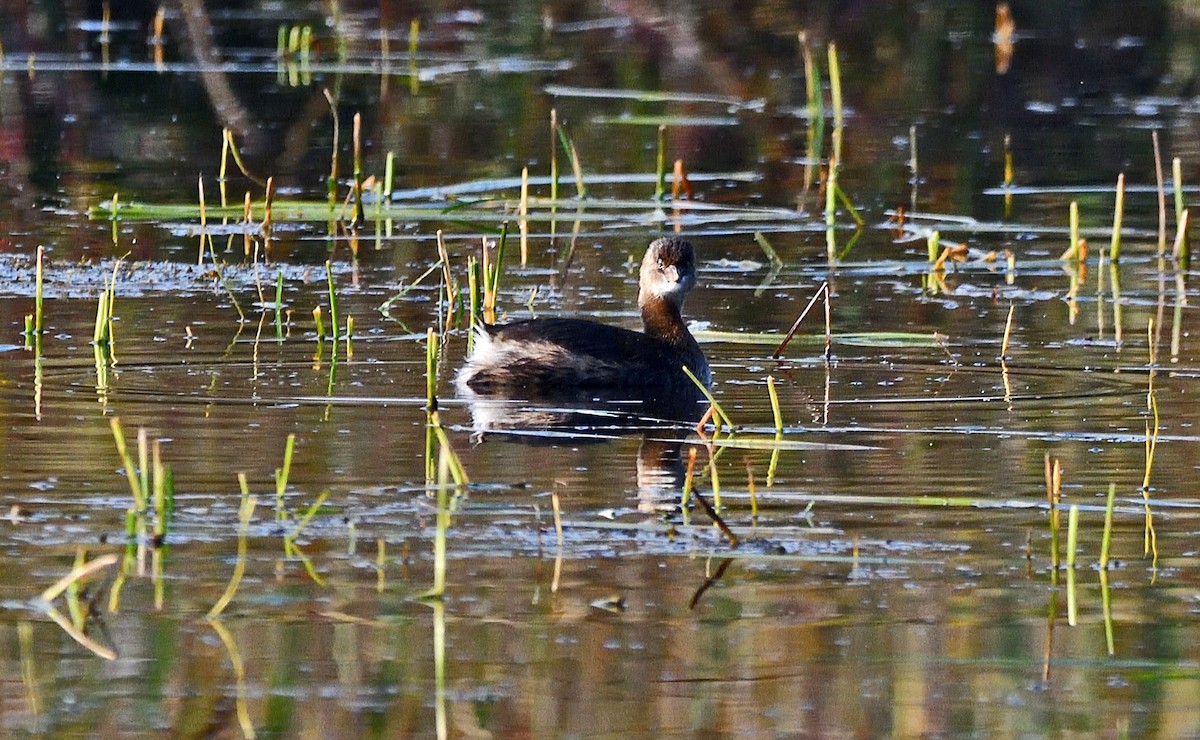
[[661, 265]]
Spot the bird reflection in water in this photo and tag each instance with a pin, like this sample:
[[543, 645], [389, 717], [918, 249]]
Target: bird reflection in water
[[664, 417]]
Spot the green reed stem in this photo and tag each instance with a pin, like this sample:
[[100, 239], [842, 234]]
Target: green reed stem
[[245, 512], [333, 309], [835, 96], [933, 246], [456, 468], [443, 525], [553, 154], [1180, 250], [279, 306], [716, 406], [1072, 534], [309, 513], [431, 368], [135, 486], [1106, 542], [281, 475], [775, 407], [1114, 249], [568, 146], [473, 290], [1177, 185], [320, 322]]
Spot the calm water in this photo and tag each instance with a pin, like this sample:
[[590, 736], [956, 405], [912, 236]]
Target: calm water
[[893, 575]]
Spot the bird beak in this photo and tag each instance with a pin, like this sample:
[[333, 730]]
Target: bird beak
[[671, 273]]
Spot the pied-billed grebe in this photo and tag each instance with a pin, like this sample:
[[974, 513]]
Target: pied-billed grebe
[[547, 354]]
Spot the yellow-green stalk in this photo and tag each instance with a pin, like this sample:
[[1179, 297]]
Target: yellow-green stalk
[[1114, 249]]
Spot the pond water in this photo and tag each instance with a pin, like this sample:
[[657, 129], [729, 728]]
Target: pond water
[[884, 564]]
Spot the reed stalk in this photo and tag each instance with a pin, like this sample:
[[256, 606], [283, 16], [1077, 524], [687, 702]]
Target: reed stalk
[[523, 213], [431, 369], [358, 171], [333, 308], [1180, 249], [568, 145], [135, 483], [1106, 540], [245, 513], [1177, 186], [1114, 249], [320, 323], [1073, 219], [1162, 196], [660, 181], [39, 292], [282, 473], [1007, 330]]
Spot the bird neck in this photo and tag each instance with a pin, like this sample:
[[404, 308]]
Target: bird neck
[[662, 319]]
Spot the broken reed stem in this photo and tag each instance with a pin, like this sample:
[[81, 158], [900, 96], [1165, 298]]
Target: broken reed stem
[[1114, 249], [1106, 541], [716, 519], [1007, 330], [796, 324], [78, 573]]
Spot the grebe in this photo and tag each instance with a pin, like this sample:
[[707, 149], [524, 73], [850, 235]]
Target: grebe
[[549, 354]]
